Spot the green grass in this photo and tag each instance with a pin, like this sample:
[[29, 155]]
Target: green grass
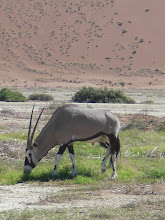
[[137, 163], [142, 210], [13, 136], [137, 142]]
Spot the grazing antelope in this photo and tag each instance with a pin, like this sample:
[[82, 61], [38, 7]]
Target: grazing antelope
[[71, 123]]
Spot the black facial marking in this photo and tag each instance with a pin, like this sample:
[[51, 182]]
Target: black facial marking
[[27, 163], [30, 155]]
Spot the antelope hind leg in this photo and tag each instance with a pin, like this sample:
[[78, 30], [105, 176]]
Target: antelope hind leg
[[114, 174], [103, 164], [72, 157], [115, 148]]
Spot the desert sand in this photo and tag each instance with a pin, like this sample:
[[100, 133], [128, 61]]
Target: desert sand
[[75, 43]]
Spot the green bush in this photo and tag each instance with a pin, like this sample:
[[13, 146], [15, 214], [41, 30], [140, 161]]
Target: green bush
[[11, 96], [41, 97], [93, 95]]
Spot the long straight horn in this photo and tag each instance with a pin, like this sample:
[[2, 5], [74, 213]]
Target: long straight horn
[[31, 139], [30, 125]]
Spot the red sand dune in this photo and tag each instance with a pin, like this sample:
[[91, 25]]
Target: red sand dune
[[87, 42]]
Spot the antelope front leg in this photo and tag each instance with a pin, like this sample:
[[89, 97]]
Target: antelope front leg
[[58, 158], [103, 164], [72, 157]]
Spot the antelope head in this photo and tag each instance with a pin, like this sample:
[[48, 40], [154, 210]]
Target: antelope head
[[31, 159]]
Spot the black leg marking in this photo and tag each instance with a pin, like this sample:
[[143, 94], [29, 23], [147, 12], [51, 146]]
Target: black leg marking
[[110, 161], [70, 149], [62, 149]]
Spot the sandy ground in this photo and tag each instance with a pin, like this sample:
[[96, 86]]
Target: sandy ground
[[25, 196], [63, 44]]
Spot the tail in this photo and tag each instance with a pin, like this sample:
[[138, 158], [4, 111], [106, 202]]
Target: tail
[[117, 148]]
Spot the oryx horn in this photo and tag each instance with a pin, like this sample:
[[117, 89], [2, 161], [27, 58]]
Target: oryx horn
[[30, 139]]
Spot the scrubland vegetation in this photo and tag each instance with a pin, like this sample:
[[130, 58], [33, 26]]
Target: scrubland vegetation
[[11, 96], [40, 97], [14, 96], [94, 95], [86, 94]]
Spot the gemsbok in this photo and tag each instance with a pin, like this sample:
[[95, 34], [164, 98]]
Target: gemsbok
[[71, 123]]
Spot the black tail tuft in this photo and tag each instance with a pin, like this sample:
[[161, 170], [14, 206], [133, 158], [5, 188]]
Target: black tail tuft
[[117, 149], [117, 146]]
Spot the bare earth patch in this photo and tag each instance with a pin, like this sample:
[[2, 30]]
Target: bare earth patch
[[27, 196]]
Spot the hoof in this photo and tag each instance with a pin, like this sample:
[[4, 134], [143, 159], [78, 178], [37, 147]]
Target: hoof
[[114, 176], [103, 170], [73, 173]]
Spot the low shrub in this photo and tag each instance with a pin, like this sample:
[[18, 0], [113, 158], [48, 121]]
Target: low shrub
[[41, 97], [11, 96], [93, 95], [148, 102]]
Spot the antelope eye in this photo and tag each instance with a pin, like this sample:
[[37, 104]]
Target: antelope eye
[[30, 155], [35, 145]]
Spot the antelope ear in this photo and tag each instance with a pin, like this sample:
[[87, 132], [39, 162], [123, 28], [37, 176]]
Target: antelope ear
[[35, 145]]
